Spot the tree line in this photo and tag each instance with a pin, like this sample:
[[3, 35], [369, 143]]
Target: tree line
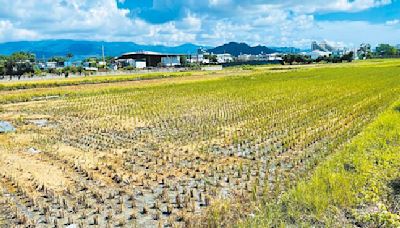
[[25, 63], [17, 64], [305, 59]]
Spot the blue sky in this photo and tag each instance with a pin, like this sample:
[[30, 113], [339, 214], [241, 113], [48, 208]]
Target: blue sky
[[205, 22]]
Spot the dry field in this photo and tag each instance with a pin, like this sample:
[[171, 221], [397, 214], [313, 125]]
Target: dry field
[[166, 153]]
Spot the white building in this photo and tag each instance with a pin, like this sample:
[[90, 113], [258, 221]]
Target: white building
[[136, 63], [51, 65], [224, 58], [102, 64], [140, 64], [260, 57], [246, 58], [274, 57], [199, 58], [316, 54]]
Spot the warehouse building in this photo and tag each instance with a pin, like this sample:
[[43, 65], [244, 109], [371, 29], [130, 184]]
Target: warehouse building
[[150, 59]]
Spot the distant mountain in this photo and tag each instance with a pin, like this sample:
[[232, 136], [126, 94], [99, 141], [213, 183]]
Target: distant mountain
[[83, 49], [236, 49]]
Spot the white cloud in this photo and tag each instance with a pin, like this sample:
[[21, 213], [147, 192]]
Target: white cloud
[[10, 33], [190, 23], [219, 2], [312, 6], [393, 22], [357, 5], [211, 22], [358, 32]]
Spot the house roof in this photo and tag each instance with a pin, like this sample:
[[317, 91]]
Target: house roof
[[150, 53]]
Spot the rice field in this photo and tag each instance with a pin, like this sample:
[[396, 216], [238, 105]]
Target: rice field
[[166, 153]]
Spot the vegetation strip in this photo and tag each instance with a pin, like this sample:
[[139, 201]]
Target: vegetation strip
[[357, 186], [86, 80]]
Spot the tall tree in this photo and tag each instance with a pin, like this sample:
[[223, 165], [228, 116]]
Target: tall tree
[[22, 56], [19, 63]]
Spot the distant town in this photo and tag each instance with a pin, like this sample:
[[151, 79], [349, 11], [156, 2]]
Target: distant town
[[27, 64]]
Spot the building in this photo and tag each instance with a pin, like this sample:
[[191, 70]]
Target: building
[[136, 63], [317, 53], [224, 58], [247, 58], [90, 65], [274, 57], [199, 58], [314, 46], [323, 46], [260, 57], [152, 59], [51, 65]]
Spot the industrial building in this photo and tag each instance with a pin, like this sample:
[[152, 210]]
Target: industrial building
[[149, 59]]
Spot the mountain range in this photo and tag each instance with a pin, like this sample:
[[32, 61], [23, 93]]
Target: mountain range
[[83, 49]]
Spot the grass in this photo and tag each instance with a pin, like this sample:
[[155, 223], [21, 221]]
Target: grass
[[34, 90], [87, 80], [353, 187]]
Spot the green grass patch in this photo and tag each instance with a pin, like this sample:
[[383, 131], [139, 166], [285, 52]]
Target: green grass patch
[[352, 187]]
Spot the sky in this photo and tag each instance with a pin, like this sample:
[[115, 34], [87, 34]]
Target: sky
[[204, 22]]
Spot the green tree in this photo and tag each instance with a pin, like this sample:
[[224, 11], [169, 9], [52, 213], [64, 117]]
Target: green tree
[[18, 64], [183, 60], [295, 58], [58, 59], [3, 63], [386, 50], [69, 56], [22, 56], [364, 51], [212, 58], [37, 72], [18, 68], [348, 57], [290, 58]]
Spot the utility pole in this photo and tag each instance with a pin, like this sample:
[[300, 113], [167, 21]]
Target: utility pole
[[102, 50]]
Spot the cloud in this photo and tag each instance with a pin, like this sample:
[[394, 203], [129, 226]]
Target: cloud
[[8, 32], [339, 5], [173, 22], [356, 32], [393, 22]]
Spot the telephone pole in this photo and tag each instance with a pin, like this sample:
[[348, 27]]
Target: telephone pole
[[102, 50]]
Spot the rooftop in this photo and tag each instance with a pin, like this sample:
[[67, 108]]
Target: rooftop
[[149, 53]]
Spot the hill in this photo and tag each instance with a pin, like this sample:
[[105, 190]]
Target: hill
[[236, 49]]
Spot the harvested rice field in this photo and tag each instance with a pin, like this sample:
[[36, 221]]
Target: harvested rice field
[[169, 152]]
